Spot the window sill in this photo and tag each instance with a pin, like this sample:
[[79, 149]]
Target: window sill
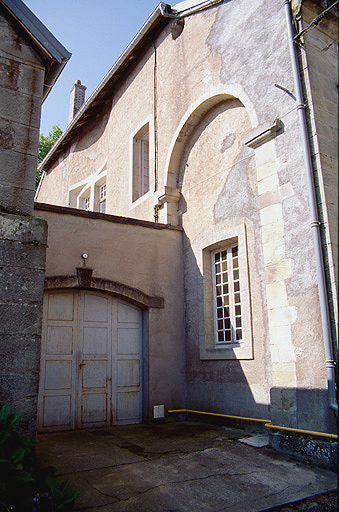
[[140, 200], [235, 351]]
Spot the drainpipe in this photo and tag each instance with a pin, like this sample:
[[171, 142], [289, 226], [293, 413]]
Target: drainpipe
[[315, 224]]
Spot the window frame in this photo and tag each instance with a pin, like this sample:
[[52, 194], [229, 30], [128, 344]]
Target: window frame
[[102, 198], [141, 166], [86, 202], [147, 124], [236, 349], [89, 188], [230, 296]]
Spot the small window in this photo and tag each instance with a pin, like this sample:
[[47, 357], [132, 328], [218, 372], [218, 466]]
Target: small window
[[90, 193], [86, 203], [227, 299], [141, 163], [102, 198], [225, 323]]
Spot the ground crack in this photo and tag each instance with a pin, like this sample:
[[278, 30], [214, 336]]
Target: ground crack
[[175, 482]]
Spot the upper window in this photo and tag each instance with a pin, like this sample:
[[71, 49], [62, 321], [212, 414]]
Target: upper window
[[227, 298], [140, 163], [90, 193], [102, 198], [86, 203]]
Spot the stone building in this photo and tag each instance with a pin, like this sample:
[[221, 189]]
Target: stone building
[[192, 246], [30, 61]]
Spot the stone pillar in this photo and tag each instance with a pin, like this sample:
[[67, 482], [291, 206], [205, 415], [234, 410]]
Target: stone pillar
[[22, 256], [22, 237], [278, 269]]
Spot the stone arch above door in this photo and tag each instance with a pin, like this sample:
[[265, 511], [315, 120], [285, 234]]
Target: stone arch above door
[[192, 118], [83, 279]]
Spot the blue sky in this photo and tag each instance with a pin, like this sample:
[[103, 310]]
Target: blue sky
[[96, 33]]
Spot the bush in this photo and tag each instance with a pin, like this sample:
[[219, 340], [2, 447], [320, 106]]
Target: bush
[[24, 487]]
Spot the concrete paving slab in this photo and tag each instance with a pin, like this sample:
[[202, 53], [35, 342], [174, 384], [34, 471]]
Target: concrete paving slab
[[180, 467], [258, 441], [80, 450]]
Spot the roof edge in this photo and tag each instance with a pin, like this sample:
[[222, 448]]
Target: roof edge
[[76, 212], [38, 31], [156, 15], [47, 44]]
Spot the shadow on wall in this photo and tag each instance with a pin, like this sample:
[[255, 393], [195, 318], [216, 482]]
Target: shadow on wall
[[229, 386], [242, 387], [311, 406]]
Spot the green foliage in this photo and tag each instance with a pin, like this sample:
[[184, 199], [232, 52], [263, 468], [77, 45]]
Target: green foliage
[[45, 144], [24, 487]]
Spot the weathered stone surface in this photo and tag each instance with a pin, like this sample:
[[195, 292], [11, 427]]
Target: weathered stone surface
[[18, 137], [22, 318], [21, 284], [16, 107], [19, 389], [26, 255], [278, 271], [13, 43], [17, 168], [19, 354], [318, 451], [15, 199], [23, 229], [19, 385]]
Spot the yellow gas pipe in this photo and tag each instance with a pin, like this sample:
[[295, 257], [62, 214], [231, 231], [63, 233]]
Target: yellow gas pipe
[[267, 423]]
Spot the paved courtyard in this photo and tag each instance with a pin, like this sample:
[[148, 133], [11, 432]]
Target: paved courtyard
[[178, 467]]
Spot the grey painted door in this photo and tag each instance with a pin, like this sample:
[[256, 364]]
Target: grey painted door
[[90, 361]]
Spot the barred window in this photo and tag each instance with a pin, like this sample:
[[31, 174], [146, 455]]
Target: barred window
[[102, 198], [227, 300]]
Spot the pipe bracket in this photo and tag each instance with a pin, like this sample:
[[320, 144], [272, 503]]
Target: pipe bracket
[[315, 224], [330, 363]]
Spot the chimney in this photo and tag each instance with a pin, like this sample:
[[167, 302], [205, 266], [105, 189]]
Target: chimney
[[77, 99]]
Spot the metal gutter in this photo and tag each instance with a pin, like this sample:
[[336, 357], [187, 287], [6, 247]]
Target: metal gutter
[[201, 6], [47, 44], [154, 17], [315, 224]]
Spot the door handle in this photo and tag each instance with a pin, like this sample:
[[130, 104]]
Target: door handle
[[81, 365]]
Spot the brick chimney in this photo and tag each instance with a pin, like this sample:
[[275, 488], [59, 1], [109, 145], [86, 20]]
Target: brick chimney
[[77, 99]]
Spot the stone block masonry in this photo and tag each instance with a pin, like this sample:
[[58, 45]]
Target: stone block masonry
[[21, 91], [22, 256]]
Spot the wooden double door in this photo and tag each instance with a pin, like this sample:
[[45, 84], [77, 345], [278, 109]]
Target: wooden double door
[[91, 358]]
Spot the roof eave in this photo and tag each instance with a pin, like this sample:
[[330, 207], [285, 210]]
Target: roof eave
[[149, 24], [45, 42]]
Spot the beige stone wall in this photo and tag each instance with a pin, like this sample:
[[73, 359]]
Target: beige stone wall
[[21, 88], [320, 61], [140, 257], [214, 83]]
